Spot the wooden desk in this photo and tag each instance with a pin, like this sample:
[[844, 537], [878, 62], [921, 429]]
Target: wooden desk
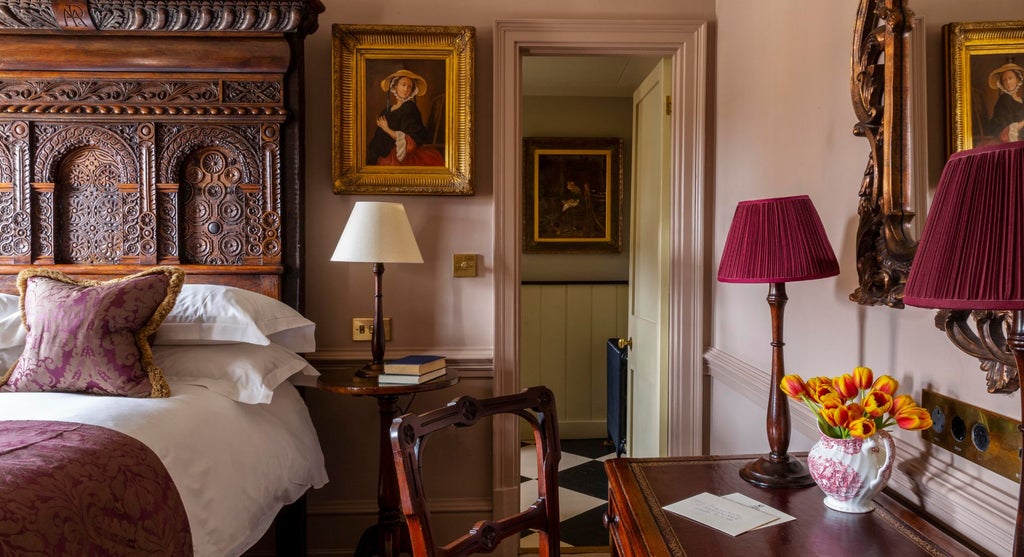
[[389, 537], [638, 526]]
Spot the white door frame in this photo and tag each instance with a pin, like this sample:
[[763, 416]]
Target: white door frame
[[686, 43]]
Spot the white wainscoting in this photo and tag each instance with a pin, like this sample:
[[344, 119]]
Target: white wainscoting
[[564, 329], [965, 497]]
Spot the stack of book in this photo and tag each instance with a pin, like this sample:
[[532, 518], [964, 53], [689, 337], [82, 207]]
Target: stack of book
[[412, 369]]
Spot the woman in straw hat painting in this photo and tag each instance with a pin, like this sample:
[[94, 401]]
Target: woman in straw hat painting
[[1008, 113], [401, 137]]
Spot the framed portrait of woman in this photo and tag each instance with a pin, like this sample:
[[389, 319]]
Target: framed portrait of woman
[[985, 75], [402, 109]]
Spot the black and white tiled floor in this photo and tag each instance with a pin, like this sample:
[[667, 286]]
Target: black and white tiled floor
[[582, 493]]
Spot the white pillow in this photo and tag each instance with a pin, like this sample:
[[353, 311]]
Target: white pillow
[[211, 314], [11, 331], [244, 372], [8, 356]]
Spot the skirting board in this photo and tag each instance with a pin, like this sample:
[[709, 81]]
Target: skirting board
[[973, 501]]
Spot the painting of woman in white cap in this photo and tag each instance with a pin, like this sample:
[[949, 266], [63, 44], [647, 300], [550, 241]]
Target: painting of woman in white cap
[[401, 137], [1007, 118]]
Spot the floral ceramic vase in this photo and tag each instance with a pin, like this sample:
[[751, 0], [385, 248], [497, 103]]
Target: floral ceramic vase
[[851, 471]]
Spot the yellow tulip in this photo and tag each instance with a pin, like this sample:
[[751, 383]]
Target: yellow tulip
[[863, 376], [830, 400], [823, 391], [877, 403], [862, 428], [793, 386], [886, 384]]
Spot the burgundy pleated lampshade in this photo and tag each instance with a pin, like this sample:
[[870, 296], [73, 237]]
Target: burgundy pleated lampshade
[[971, 254], [777, 240]]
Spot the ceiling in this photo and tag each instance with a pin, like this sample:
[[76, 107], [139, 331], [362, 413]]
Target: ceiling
[[585, 76]]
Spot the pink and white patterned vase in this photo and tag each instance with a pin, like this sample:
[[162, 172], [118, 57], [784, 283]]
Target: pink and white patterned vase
[[852, 471]]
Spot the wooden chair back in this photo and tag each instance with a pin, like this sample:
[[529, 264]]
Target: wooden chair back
[[536, 405]]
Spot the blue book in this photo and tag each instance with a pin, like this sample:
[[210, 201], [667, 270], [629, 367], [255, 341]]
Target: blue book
[[414, 365]]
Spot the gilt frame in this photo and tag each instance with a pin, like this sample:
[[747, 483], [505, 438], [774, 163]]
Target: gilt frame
[[572, 194], [363, 56], [974, 50]]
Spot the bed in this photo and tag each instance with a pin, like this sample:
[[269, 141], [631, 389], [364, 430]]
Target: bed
[[145, 135]]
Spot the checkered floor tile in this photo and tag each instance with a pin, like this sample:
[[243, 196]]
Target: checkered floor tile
[[582, 491]]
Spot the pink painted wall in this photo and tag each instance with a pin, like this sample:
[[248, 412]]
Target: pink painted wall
[[782, 120]]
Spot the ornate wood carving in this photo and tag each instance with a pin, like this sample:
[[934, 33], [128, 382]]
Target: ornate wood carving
[[90, 207], [213, 217], [142, 97], [170, 152], [273, 16], [879, 87], [985, 341]]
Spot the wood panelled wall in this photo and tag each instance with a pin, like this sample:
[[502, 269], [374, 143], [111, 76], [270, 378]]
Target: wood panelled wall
[[564, 329]]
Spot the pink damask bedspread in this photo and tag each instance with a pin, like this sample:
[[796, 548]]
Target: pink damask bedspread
[[75, 489]]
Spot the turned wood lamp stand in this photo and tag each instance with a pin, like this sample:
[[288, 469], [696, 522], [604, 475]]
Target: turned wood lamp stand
[[776, 241]]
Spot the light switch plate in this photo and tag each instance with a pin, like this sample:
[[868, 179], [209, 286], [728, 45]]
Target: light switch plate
[[464, 265]]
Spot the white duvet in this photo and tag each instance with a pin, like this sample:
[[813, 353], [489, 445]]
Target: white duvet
[[234, 464]]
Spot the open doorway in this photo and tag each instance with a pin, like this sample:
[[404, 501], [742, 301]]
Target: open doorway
[[685, 44], [578, 111]]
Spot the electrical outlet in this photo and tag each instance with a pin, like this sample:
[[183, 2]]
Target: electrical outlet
[[986, 438], [362, 328]]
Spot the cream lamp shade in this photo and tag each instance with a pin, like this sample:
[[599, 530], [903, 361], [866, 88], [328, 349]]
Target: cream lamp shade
[[377, 232]]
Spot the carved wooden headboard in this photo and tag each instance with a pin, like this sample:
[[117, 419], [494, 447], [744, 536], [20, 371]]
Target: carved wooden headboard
[[144, 133]]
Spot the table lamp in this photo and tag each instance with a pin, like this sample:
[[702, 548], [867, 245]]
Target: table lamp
[[776, 241], [378, 233], [971, 254]]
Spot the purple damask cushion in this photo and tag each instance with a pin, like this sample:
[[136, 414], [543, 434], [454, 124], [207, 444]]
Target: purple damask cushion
[[92, 337]]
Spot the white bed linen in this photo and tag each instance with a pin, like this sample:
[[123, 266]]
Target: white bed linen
[[234, 464]]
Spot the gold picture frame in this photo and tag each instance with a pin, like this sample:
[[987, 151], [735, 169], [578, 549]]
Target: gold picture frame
[[374, 68], [979, 54], [572, 194]]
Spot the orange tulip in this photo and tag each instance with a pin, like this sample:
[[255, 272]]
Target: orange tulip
[[900, 403], [914, 419], [793, 386], [877, 403], [862, 428], [863, 376], [886, 384], [846, 386], [836, 417], [856, 410]]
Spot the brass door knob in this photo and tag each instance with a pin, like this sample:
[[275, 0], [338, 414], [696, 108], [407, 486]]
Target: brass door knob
[[625, 343]]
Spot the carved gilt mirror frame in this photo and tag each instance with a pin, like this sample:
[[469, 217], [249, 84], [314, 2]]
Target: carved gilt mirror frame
[[881, 86]]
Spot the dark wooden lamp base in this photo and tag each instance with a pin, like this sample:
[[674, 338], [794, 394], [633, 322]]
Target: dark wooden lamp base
[[784, 472], [370, 370]]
